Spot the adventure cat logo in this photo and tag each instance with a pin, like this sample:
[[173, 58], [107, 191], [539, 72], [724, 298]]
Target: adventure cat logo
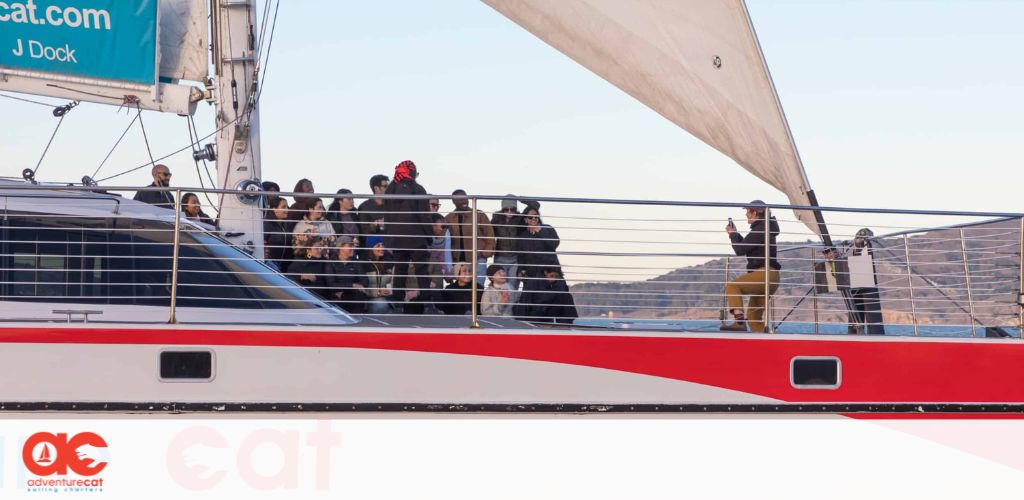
[[65, 465]]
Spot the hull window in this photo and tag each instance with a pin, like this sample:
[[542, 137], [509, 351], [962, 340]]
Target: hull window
[[815, 372], [182, 366]]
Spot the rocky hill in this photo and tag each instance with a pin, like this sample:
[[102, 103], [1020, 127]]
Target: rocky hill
[[939, 283]]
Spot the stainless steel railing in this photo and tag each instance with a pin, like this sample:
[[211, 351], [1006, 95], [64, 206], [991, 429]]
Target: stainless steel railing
[[622, 262]]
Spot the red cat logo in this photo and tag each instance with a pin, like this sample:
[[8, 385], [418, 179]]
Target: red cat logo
[[45, 454]]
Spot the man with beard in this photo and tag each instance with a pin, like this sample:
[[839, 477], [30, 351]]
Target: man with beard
[[161, 178]]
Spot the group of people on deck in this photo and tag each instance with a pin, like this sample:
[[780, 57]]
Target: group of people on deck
[[400, 255]]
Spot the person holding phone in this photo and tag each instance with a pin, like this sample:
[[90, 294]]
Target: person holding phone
[[752, 246]]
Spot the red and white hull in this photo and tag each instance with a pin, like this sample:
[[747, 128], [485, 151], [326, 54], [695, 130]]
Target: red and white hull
[[385, 369]]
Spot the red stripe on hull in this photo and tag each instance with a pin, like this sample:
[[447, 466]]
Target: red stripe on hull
[[872, 371]]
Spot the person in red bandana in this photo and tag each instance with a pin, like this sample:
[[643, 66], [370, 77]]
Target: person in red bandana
[[409, 230]]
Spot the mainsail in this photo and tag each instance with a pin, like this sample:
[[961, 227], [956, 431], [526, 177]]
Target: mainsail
[[695, 62], [184, 44]]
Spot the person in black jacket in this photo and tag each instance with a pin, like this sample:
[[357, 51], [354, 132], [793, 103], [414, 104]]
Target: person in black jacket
[[343, 215], [548, 299], [507, 225], [457, 297], [277, 244], [161, 178], [752, 246], [537, 245], [311, 268], [408, 229], [347, 279]]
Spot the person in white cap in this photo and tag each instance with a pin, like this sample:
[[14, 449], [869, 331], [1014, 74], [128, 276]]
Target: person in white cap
[[752, 246]]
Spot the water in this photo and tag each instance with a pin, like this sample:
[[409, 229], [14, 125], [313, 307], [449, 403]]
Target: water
[[824, 328]]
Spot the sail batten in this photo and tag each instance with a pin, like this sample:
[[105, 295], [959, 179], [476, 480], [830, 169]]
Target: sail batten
[[697, 63]]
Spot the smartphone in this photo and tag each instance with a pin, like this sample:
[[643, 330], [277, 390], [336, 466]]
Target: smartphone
[[730, 222]]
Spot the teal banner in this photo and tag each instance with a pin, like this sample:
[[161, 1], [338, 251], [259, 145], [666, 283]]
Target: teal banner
[[104, 39]]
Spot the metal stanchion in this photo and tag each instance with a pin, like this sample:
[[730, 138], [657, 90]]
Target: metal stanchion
[[910, 283], [766, 314], [473, 270], [814, 291], [967, 277], [174, 258]]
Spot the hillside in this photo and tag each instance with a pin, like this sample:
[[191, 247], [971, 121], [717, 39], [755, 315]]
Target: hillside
[[939, 283]]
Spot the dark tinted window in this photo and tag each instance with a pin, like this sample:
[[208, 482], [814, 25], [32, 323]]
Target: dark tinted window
[[815, 372], [123, 261]]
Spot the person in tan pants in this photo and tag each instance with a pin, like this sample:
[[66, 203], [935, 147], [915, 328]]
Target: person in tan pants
[[752, 246]]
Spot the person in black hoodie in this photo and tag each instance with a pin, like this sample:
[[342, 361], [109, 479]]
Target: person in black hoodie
[[311, 268], [409, 229], [548, 299], [752, 246], [277, 244]]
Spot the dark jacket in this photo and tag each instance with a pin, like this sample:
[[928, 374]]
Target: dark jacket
[[368, 211], [277, 241], [506, 234], [318, 269], [537, 251], [342, 276], [162, 199], [407, 220], [345, 224], [546, 301], [456, 298], [751, 246]]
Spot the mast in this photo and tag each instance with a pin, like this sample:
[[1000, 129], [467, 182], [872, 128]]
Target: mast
[[237, 120]]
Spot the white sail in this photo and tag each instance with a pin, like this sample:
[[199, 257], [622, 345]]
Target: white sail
[[695, 62], [184, 40]]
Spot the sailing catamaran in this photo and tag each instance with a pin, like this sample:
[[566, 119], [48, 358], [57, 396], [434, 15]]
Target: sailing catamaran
[[166, 316]]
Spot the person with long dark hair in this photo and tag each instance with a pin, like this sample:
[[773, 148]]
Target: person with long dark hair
[[313, 223], [277, 244], [194, 210], [343, 215]]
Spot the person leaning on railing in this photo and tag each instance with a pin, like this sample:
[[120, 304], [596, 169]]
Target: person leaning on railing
[[752, 246]]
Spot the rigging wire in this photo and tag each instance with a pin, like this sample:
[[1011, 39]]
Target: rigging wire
[[195, 132], [266, 62], [27, 100], [145, 138], [116, 144], [189, 146], [188, 125], [59, 111]]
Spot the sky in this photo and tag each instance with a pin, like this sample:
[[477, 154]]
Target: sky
[[896, 104]]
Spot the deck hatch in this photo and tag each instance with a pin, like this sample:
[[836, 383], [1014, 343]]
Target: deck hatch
[[815, 372], [186, 366]]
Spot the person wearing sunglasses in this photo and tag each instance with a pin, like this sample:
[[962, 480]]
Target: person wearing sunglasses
[[161, 178], [507, 224]]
